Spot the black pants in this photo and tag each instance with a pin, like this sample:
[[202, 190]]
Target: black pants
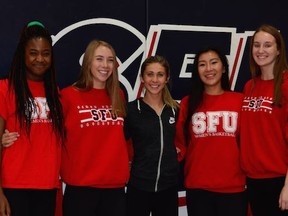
[[31, 202], [142, 203], [91, 201], [207, 203], [263, 195]]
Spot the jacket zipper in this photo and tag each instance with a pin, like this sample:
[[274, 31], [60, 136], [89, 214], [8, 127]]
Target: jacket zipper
[[161, 150]]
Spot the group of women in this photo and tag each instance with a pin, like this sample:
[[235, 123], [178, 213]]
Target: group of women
[[234, 145]]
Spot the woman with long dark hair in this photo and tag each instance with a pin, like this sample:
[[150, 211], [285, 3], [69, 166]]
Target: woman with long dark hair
[[31, 110], [207, 134]]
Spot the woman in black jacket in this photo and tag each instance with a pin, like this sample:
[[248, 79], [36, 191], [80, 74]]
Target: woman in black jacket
[[150, 124]]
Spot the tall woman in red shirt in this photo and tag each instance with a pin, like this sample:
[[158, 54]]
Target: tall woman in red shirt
[[207, 136], [264, 127]]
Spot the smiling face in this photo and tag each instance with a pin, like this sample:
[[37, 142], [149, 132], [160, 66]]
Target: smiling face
[[102, 66], [264, 49], [154, 78], [210, 69], [38, 57]]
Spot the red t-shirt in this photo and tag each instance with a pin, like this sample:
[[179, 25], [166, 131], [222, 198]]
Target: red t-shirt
[[34, 161]]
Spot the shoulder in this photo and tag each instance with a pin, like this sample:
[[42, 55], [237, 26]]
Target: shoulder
[[4, 82], [122, 95], [133, 103], [68, 93], [184, 104], [3, 85], [178, 106], [285, 77], [285, 85], [68, 90], [132, 109], [248, 85], [184, 100], [233, 100]]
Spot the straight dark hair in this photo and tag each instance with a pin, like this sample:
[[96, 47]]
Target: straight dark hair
[[197, 86]]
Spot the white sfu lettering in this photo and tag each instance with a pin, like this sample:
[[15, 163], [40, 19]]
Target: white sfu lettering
[[42, 110], [103, 115], [209, 122]]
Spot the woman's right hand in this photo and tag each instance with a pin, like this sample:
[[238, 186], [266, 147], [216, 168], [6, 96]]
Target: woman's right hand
[[8, 138]]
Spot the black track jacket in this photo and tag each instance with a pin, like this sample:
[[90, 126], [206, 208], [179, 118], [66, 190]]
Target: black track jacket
[[155, 165]]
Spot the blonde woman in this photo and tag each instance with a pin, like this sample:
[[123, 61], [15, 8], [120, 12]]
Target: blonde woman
[[150, 124], [95, 165]]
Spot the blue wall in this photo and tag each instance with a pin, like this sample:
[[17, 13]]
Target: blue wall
[[129, 26]]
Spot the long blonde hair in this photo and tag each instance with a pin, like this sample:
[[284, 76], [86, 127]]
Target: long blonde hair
[[85, 81]]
